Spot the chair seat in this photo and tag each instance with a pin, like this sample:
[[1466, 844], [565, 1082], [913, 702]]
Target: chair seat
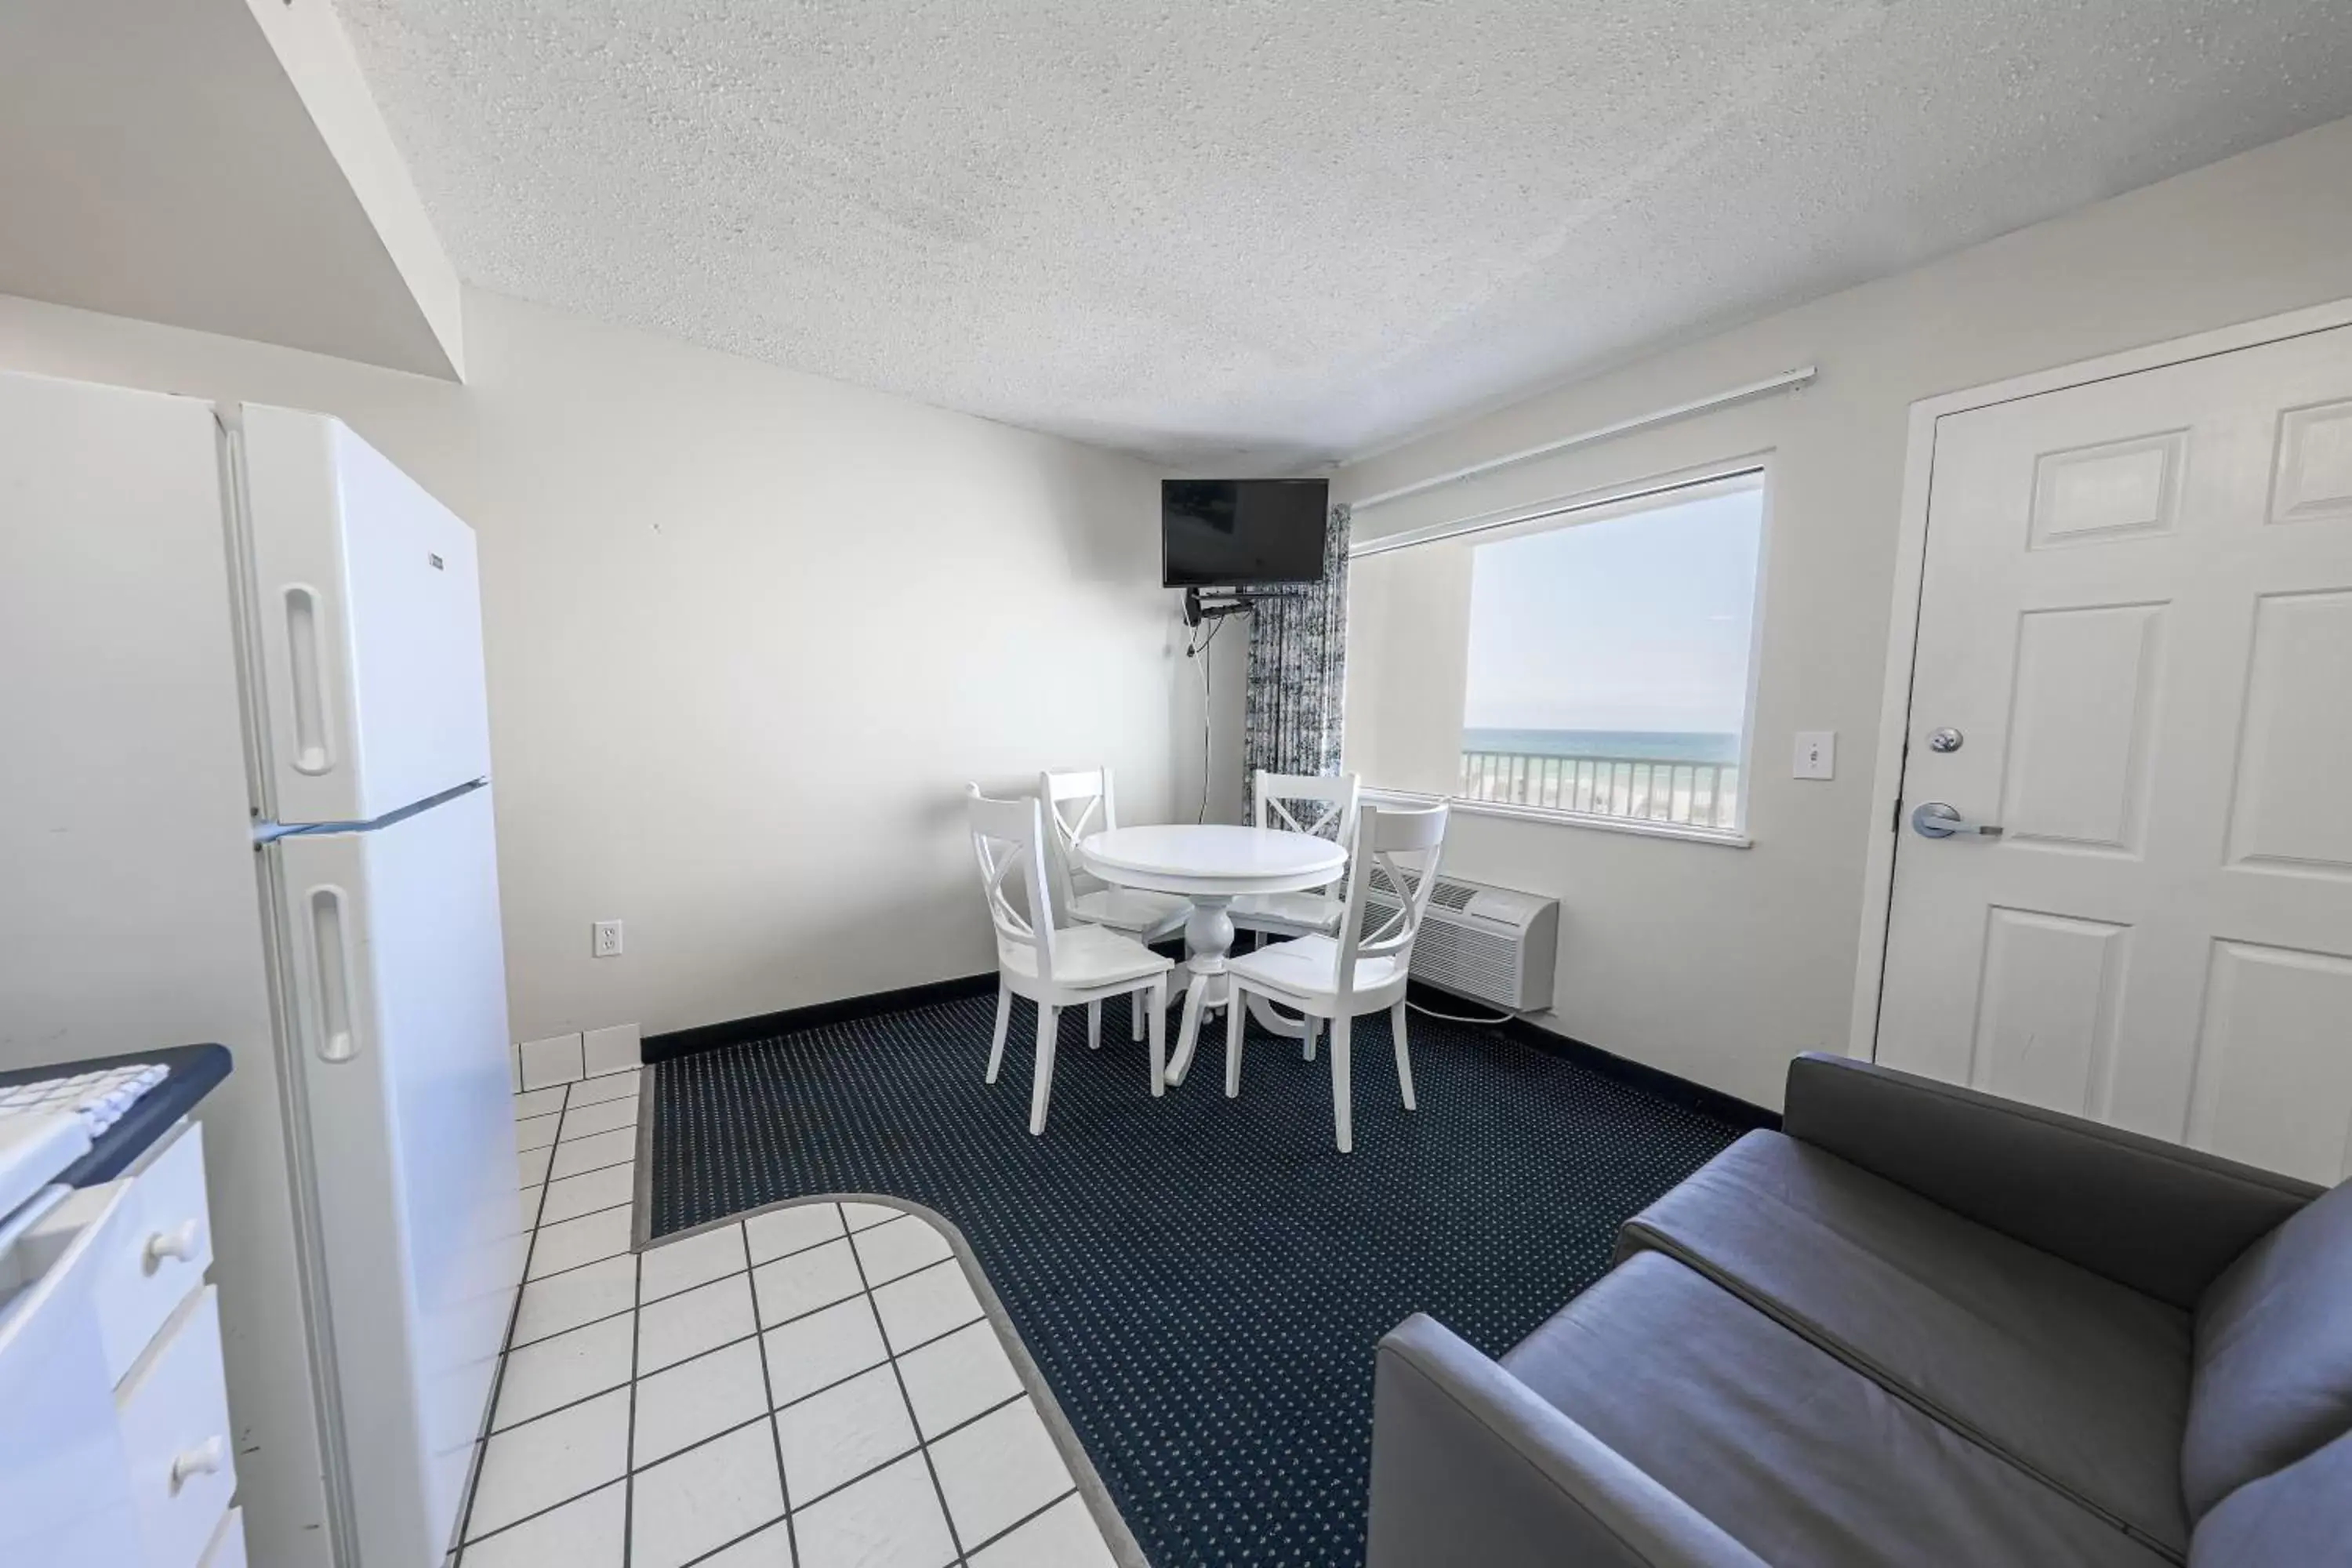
[[1308, 966], [1088, 956], [1301, 914], [1131, 909]]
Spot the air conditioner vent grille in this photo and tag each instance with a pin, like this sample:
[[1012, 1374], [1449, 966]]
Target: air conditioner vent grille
[[1452, 895], [1503, 964]]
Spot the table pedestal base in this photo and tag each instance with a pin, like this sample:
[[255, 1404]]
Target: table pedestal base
[[1207, 940], [1208, 943]]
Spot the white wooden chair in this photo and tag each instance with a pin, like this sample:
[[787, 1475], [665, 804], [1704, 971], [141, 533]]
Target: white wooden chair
[[1343, 978], [1054, 968], [1078, 803], [1325, 807], [1301, 804]]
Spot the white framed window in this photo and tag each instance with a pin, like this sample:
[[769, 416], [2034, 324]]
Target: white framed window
[[1592, 661]]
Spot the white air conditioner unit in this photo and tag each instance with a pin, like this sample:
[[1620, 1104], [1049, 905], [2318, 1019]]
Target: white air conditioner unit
[[1496, 945]]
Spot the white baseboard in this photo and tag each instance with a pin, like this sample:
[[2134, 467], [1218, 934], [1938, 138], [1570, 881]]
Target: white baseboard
[[568, 1058], [615, 1048]]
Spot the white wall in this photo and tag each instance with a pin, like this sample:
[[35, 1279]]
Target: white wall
[[1719, 964], [749, 633]]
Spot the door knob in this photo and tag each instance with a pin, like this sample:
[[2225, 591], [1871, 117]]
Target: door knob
[[1934, 819]]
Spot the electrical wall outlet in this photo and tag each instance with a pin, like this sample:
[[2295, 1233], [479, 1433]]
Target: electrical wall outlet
[[1816, 755], [608, 939]]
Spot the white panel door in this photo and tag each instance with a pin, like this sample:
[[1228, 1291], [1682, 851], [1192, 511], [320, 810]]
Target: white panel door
[[398, 992], [2138, 617], [367, 606]]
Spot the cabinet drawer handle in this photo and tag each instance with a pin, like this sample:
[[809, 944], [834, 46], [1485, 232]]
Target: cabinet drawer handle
[[183, 1241], [205, 1459]]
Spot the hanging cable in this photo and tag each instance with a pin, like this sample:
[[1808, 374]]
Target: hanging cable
[[1196, 647]]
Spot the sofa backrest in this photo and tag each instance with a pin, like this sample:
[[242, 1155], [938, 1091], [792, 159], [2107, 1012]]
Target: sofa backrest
[[2273, 1371]]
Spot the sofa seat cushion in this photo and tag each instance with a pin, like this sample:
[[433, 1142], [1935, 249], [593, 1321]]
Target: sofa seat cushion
[[2079, 1380], [2274, 1358], [1794, 1455]]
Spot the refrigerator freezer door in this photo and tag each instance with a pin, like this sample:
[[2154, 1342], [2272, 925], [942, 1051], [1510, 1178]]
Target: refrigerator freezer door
[[367, 610], [398, 1045]]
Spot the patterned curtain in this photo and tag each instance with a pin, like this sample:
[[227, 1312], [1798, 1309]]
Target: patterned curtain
[[1298, 672]]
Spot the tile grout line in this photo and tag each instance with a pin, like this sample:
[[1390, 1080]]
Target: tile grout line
[[1103, 1511], [972, 1420], [943, 1334], [955, 1536], [892, 1355], [552, 1178], [900, 1458], [1031, 1516], [629, 1441], [576, 1268], [703, 1442], [755, 1530], [767, 1397], [588, 1213], [508, 1348], [625, 1477], [715, 1349], [499, 1374], [539, 1514]]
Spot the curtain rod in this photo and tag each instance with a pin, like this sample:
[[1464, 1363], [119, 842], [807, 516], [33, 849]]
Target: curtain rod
[[1788, 381]]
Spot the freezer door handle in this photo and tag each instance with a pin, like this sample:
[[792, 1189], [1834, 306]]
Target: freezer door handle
[[331, 962], [312, 753]]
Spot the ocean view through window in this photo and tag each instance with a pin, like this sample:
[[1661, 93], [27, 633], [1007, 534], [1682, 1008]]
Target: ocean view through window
[[1592, 661]]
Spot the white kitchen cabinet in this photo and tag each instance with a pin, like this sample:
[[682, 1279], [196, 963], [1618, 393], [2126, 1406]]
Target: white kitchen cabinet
[[114, 1431]]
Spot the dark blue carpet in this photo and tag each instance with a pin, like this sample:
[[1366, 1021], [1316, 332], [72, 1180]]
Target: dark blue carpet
[[1201, 1279]]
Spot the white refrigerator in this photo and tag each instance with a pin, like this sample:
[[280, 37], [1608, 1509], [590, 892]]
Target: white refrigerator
[[245, 796]]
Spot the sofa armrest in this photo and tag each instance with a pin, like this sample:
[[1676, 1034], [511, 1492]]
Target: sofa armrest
[[2163, 1219], [1470, 1466]]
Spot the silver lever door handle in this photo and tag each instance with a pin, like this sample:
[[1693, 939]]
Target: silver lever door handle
[[1934, 819]]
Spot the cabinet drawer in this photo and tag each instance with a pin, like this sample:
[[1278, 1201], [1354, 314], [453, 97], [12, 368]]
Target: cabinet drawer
[[175, 1436], [65, 1502], [155, 1252], [228, 1550]]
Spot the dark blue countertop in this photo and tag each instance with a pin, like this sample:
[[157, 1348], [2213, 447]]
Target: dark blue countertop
[[194, 1070]]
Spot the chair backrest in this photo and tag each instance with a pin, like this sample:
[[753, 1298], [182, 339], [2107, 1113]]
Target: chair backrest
[[1008, 839], [1076, 804], [1400, 847], [1297, 803]]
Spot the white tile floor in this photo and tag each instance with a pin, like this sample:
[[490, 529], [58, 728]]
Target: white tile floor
[[814, 1387]]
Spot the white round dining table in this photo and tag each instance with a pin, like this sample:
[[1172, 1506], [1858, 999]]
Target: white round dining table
[[1212, 864]]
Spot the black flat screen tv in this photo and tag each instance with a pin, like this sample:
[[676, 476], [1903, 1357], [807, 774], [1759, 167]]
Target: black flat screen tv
[[1240, 533]]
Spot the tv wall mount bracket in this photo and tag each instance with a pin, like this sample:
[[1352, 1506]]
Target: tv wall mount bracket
[[1215, 605]]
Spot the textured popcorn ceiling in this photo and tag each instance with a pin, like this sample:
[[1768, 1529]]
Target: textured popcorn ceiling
[[1214, 231]]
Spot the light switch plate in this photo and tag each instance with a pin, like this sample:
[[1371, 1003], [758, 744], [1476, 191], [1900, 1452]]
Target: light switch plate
[[1816, 755]]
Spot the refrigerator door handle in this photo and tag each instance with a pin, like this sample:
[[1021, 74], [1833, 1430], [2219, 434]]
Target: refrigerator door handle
[[312, 753], [331, 962]]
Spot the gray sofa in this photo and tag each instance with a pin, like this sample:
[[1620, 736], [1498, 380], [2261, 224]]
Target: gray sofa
[[1919, 1325]]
